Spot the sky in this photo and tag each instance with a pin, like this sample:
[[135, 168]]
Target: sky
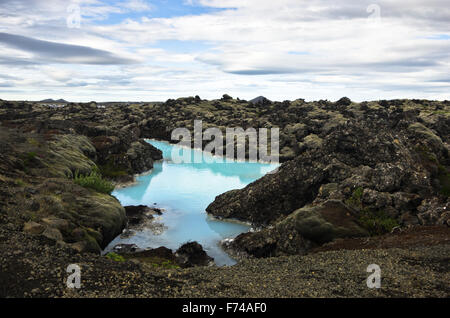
[[139, 50]]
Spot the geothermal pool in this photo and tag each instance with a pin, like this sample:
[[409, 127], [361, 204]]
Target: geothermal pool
[[184, 190]]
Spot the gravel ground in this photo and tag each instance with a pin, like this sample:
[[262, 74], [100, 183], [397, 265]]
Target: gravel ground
[[416, 272], [34, 266]]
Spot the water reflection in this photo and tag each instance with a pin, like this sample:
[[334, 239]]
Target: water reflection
[[184, 190]]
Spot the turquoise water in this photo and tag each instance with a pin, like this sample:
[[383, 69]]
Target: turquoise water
[[184, 190]]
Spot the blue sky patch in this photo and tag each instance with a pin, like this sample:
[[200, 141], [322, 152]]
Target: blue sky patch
[[439, 37]]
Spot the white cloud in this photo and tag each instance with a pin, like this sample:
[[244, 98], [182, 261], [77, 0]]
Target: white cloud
[[283, 49]]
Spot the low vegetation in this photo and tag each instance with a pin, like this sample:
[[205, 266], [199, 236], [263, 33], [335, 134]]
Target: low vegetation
[[94, 181], [19, 182], [377, 222], [115, 257], [28, 158], [109, 171], [355, 200]]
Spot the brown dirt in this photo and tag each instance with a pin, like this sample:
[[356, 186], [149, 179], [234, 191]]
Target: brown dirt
[[409, 237]]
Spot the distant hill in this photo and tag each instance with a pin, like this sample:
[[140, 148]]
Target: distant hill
[[259, 100], [50, 100]]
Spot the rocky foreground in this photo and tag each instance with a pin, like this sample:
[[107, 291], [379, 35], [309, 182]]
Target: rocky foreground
[[36, 267], [361, 183]]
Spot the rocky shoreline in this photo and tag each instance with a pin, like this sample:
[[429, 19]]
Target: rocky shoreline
[[351, 171], [36, 267]]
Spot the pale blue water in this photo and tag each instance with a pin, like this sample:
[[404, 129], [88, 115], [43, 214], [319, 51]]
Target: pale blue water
[[184, 190]]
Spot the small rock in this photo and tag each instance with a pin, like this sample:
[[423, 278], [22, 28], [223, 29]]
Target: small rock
[[35, 206], [57, 223], [78, 234], [86, 247], [33, 228], [79, 246], [192, 254], [53, 234]]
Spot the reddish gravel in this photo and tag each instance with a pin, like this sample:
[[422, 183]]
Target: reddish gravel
[[411, 237]]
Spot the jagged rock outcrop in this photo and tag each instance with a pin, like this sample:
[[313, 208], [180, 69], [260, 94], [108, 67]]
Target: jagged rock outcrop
[[303, 229], [37, 173], [139, 214], [100, 133], [142, 155], [386, 160], [192, 254], [385, 163]]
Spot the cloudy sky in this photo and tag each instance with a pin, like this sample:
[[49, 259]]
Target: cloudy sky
[[133, 50]]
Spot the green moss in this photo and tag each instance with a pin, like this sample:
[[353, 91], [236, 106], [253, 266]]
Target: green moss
[[426, 136], [110, 171], [95, 235], [19, 182], [376, 222], [358, 192], [313, 141], [28, 158], [441, 112], [33, 142], [30, 155], [92, 243], [67, 154], [94, 181], [425, 154], [355, 199], [166, 264], [115, 257]]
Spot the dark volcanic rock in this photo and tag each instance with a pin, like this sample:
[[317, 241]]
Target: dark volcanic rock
[[141, 156], [381, 162], [303, 229], [352, 156], [138, 214], [344, 101], [136, 210], [275, 195], [260, 100], [160, 252], [386, 160], [188, 255], [115, 155], [192, 254], [297, 182]]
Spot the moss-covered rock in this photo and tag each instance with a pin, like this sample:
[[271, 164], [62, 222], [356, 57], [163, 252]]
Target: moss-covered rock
[[304, 228], [68, 154], [81, 215], [100, 212], [396, 151], [325, 222], [427, 137]]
